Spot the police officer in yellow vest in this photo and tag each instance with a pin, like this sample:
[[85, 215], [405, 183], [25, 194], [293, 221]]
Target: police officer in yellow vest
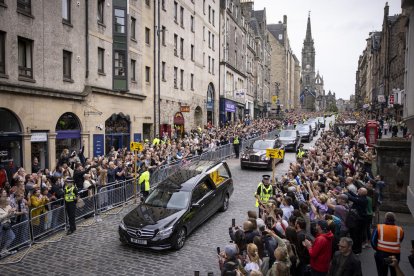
[[236, 145], [264, 192], [70, 196], [300, 153], [386, 240], [143, 181]]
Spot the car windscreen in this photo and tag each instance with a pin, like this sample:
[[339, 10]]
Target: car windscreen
[[170, 199], [262, 145], [288, 134], [303, 128]]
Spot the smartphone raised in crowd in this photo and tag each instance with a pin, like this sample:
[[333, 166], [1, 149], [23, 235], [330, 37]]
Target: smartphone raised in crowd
[[233, 222], [218, 250]]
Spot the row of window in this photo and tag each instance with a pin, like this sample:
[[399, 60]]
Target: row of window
[[66, 10], [25, 61], [176, 77]]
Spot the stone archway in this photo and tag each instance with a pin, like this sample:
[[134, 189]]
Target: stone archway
[[68, 134], [10, 138], [198, 117]]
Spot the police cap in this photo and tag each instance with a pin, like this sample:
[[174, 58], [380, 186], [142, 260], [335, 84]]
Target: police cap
[[266, 177]]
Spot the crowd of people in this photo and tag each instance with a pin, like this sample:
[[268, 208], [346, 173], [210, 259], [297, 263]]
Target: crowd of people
[[318, 218], [27, 193]]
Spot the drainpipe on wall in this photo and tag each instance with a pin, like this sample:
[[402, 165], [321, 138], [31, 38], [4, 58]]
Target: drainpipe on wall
[[156, 129], [86, 38], [158, 68]]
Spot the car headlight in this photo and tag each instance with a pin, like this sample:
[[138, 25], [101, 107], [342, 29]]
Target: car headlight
[[245, 156], [122, 225], [163, 234], [264, 158]]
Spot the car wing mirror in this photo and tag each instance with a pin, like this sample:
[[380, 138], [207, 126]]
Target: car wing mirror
[[195, 205]]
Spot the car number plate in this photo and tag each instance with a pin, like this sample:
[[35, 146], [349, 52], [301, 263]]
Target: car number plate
[[144, 242]]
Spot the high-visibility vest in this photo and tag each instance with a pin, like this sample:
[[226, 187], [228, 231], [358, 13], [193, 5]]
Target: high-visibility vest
[[300, 153], [156, 141], [144, 177], [265, 193], [70, 194], [389, 238], [236, 141]]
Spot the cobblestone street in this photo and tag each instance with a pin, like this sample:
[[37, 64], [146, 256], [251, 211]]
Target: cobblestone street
[[96, 249]]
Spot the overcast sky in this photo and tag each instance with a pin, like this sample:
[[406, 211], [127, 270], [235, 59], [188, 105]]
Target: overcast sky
[[339, 30]]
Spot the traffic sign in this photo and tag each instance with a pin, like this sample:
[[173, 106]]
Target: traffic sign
[[275, 153], [136, 146]]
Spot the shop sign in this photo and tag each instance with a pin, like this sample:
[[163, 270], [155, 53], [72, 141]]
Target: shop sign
[[230, 107], [178, 119], [184, 108], [381, 98], [98, 145], [38, 137]]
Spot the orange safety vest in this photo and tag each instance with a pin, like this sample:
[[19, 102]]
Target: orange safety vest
[[389, 238]]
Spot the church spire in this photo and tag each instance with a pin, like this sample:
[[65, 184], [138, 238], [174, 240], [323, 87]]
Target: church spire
[[308, 30]]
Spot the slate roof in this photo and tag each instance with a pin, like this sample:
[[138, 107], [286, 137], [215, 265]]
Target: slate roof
[[275, 30]]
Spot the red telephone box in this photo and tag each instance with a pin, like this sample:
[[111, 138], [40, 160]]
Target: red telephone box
[[371, 132]]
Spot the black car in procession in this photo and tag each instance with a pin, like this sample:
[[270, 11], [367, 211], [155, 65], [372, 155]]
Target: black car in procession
[[305, 132], [290, 138], [255, 156], [177, 205]]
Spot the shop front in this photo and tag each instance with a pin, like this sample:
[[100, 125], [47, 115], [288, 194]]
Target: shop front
[[68, 134], [179, 124], [117, 132], [227, 111], [10, 139], [210, 104], [39, 145]]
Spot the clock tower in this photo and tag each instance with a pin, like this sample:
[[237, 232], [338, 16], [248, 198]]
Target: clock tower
[[308, 95]]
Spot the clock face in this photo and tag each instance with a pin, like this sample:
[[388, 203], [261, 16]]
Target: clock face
[[307, 66]]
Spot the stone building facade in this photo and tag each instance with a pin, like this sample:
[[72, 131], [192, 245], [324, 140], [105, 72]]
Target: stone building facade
[[284, 65], [380, 72], [244, 61], [70, 76], [188, 64], [408, 103]]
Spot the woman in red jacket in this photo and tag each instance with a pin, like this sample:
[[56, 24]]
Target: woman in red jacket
[[321, 251]]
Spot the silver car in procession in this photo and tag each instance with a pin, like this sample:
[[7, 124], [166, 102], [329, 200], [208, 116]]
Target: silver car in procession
[[255, 156]]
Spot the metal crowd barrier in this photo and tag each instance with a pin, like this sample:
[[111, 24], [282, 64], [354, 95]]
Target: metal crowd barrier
[[49, 221], [21, 233], [107, 197]]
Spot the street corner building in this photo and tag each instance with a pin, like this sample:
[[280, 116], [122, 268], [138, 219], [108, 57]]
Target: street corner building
[[72, 74]]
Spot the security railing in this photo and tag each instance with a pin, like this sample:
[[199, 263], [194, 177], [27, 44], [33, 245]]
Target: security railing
[[46, 220]]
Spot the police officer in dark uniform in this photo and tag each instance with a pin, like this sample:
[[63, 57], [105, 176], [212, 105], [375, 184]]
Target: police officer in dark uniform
[[70, 196]]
